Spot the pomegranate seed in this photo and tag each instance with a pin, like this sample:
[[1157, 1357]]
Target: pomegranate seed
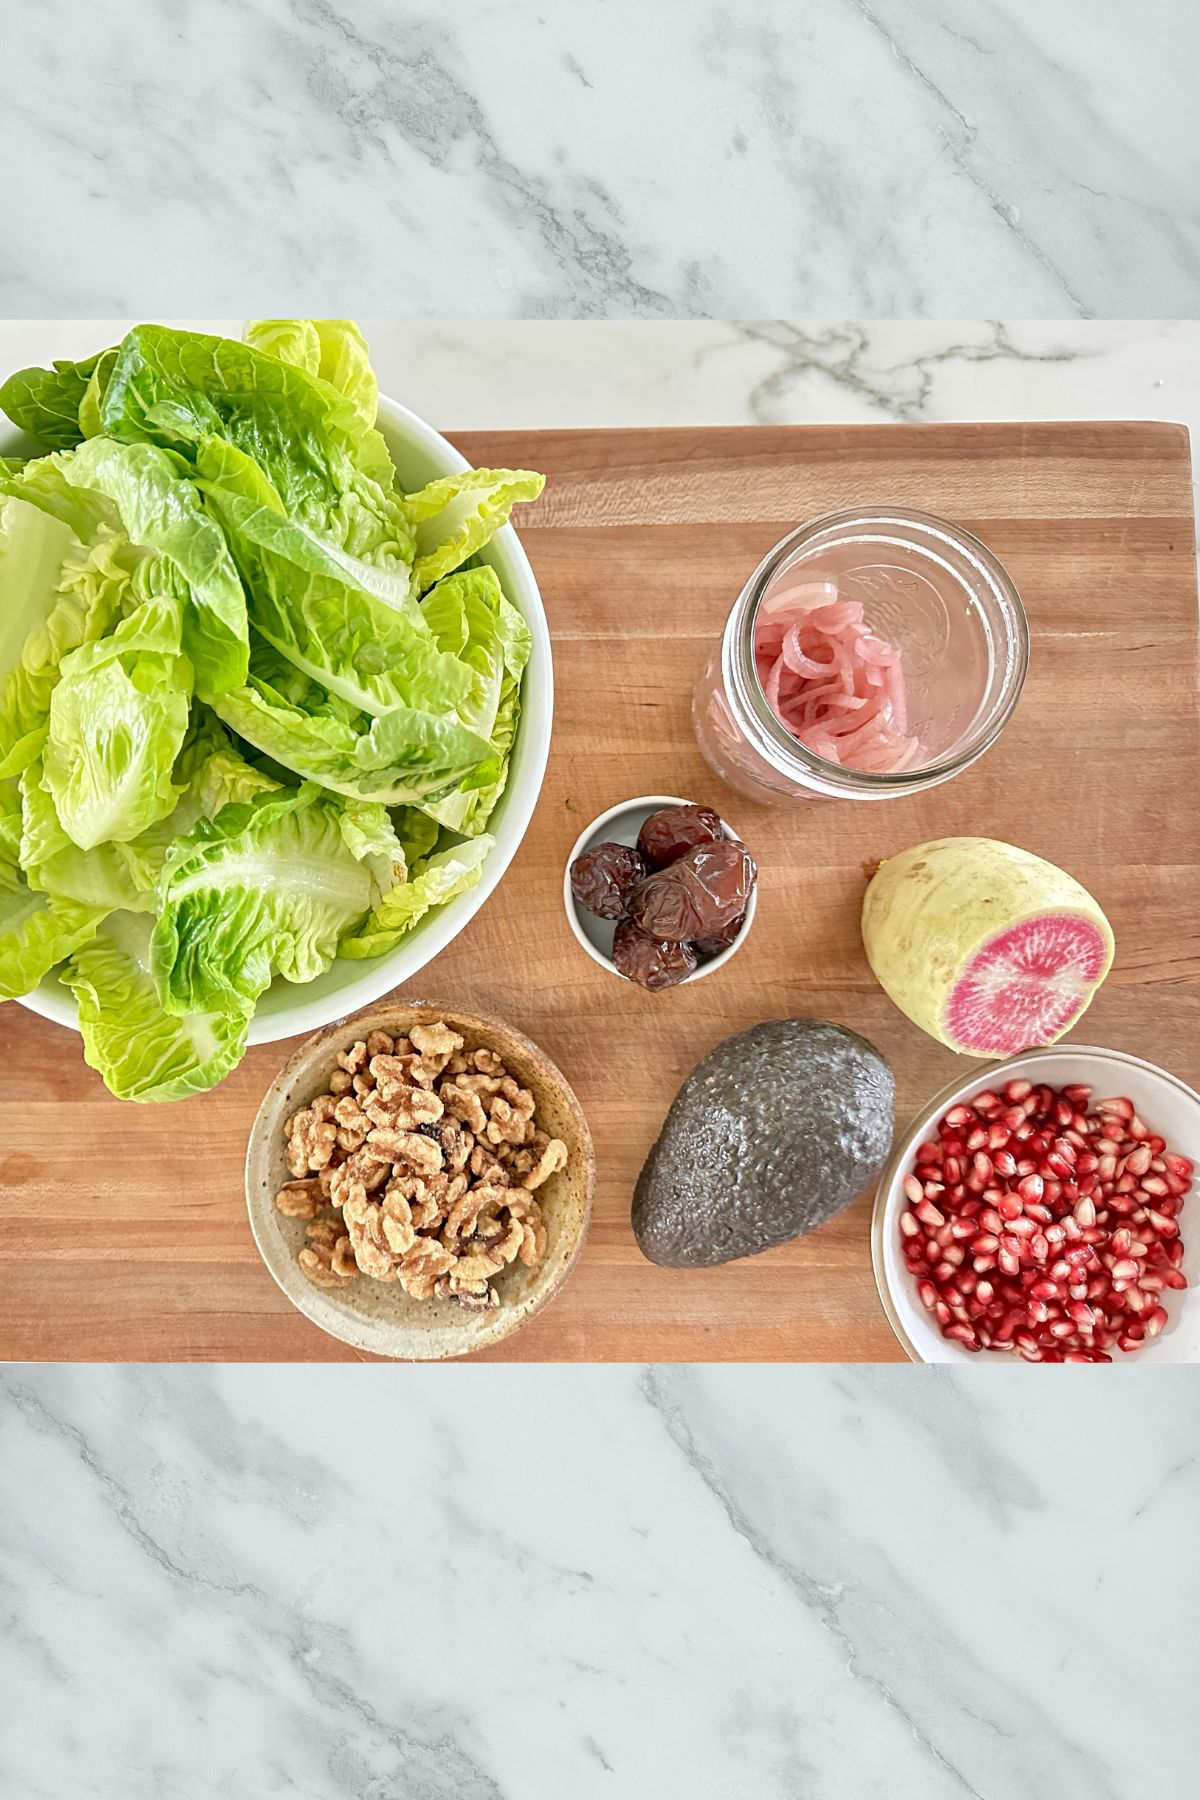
[[1033, 1225]]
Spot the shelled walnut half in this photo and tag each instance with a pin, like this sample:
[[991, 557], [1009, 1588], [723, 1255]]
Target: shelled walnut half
[[420, 1165]]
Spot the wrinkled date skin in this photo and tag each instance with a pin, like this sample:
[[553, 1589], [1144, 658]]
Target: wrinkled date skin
[[652, 962], [601, 879], [696, 897], [674, 830], [720, 940]]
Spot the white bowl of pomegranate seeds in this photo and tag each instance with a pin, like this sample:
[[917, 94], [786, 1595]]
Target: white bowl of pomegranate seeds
[[1040, 1209]]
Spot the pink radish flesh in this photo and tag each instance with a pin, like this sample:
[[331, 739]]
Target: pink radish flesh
[[1026, 984]]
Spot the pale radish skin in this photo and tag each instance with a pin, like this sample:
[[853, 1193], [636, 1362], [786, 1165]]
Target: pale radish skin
[[932, 921]]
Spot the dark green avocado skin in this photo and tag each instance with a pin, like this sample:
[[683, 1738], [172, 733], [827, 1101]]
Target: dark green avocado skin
[[774, 1132]]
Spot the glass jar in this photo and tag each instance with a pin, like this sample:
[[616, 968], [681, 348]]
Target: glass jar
[[927, 587]]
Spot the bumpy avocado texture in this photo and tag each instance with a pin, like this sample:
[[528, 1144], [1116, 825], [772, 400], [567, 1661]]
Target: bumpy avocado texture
[[775, 1131]]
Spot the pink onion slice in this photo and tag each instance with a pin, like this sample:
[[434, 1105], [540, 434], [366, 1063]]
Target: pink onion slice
[[836, 686]]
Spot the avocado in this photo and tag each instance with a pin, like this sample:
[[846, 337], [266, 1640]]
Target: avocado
[[775, 1131]]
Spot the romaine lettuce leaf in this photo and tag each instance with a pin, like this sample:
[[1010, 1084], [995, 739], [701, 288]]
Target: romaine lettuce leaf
[[56, 593], [210, 772], [331, 471], [334, 349], [267, 887], [36, 931], [162, 512], [118, 718], [456, 515], [108, 876], [416, 831], [142, 1052], [341, 622], [46, 402], [398, 758], [489, 627], [432, 882]]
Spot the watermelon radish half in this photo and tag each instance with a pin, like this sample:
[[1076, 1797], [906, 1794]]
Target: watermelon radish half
[[985, 946]]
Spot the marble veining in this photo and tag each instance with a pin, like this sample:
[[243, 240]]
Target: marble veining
[[734, 1584], [525, 374], [674, 160]]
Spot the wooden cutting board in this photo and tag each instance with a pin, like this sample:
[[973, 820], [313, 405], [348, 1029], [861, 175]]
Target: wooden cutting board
[[123, 1231]]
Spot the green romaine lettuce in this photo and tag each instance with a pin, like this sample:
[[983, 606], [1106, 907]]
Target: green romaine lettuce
[[56, 593], [161, 511], [398, 758], [210, 773], [331, 471], [118, 718], [334, 349], [265, 888], [343, 623], [36, 931], [215, 543], [456, 515], [143, 1052], [490, 628], [432, 882], [46, 402]]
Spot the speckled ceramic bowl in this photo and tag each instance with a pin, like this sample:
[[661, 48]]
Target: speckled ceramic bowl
[[380, 1317]]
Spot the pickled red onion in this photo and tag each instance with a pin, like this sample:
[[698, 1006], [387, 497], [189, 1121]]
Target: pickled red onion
[[837, 687]]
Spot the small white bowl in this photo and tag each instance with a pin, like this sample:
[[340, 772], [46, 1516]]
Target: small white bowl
[[1168, 1106], [621, 825]]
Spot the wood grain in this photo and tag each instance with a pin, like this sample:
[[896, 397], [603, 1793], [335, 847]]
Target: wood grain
[[123, 1232]]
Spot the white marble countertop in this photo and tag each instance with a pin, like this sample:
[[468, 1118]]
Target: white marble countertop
[[534, 1584], [497, 374], [888, 158]]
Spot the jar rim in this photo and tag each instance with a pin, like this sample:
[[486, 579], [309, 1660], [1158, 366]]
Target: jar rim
[[787, 753]]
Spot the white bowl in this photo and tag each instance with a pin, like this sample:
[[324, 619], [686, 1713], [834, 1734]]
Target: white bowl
[[621, 825], [1167, 1105], [420, 454]]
